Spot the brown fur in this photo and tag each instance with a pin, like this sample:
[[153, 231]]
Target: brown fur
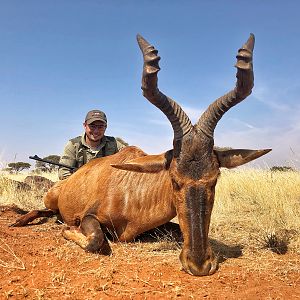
[[131, 192]]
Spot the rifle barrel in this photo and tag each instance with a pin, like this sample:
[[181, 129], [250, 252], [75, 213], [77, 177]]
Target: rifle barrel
[[51, 162]]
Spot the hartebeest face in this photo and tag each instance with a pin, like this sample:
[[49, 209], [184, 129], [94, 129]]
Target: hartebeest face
[[193, 163], [194, 176]]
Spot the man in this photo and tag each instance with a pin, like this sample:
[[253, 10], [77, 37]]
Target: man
[[92, 144]]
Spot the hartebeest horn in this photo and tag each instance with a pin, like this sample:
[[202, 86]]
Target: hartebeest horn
[[179, 120], [243, 88]]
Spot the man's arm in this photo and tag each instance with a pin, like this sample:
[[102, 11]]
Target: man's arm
[[68, 158]]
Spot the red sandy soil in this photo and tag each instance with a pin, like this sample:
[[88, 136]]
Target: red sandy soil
[[36, 262]]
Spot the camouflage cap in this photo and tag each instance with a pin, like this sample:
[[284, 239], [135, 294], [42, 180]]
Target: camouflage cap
[[95, 115]]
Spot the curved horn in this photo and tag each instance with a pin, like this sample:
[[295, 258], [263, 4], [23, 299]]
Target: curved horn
[[243, 88], [179, 120]]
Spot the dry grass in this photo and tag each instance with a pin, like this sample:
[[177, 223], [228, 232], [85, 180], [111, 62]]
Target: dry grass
[[8, 258], [21, 176], [258, 209], [254, 209], [27, 200]]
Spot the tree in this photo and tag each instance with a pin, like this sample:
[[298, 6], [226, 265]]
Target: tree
[[8, 169], [281, 169], [19, 166], [222, 148], [46, 167]]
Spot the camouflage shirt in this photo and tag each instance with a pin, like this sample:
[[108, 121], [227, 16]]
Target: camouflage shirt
[[77, 153]]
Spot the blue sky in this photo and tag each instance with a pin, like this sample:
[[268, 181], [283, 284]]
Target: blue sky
[[60, 59]]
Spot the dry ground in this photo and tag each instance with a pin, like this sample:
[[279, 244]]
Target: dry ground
[[36, 262]]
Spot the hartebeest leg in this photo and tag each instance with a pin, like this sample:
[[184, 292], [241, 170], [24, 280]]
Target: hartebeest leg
[[31, 216], [89, 236]]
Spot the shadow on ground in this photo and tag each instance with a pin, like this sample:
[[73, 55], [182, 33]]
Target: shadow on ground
[[171, 232]]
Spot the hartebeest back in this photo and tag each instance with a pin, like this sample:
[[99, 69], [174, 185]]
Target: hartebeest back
[[131, 192]]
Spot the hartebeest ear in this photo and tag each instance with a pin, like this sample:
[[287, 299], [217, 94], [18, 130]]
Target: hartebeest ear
[[237, 157], [147, 164]]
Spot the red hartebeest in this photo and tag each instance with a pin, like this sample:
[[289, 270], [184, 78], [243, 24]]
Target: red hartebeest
[[131, 192]]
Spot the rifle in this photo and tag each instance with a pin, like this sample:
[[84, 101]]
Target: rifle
[[52, 163]]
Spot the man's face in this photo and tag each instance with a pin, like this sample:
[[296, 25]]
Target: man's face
[[95, 131]]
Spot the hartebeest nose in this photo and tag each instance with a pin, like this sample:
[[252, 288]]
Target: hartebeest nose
[[193, 266]]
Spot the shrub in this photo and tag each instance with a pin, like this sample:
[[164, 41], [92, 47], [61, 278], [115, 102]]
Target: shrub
[[281, 169]]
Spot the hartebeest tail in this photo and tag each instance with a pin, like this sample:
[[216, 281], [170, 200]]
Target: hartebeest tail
[[131, 192]]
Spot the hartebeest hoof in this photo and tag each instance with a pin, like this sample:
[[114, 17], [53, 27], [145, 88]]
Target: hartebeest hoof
[[89, 236], [31, 216], [89, 243], [20, 222], [96, 247]]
